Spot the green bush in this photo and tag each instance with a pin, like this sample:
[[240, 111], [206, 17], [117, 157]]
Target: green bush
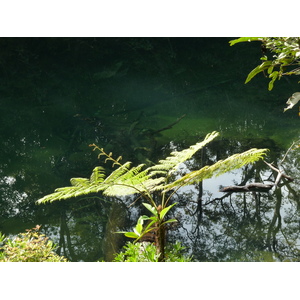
[[31, 246], [146, 252]]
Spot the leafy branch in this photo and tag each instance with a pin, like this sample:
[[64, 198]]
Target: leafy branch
[[285, 53]]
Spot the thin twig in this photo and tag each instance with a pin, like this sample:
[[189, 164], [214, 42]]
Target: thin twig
[[287, 152]]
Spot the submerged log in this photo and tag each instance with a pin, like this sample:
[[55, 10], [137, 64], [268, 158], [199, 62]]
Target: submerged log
[[169, 126], [251, 187]]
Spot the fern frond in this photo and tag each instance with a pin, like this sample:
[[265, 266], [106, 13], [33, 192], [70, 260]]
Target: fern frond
[[155, 184], [79, 182], [135, 175], [125, 180], [97, 176], [65, 193], [122, 181], [128, 183], [233, 162], [171, 163], [123, 169], [80, 187]]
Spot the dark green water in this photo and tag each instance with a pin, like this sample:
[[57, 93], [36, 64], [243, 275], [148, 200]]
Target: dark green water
[[60, 95]]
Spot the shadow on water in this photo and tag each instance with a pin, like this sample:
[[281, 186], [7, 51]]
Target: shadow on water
[[142, 98]]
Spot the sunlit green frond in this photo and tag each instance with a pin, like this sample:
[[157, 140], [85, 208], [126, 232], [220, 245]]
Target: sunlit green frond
[[98, 175], [121, 190], [79, 182], [134, 176], [154, 184], [79, 187], [64, 193], [128, 183], [123, 169], [172, 162], [122, 181], [222, 166]]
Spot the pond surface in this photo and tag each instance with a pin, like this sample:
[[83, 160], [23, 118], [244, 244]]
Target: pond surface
[[143, 98]]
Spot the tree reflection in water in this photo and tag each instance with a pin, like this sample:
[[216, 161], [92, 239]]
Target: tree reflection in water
[[248, 226], [214, 226]]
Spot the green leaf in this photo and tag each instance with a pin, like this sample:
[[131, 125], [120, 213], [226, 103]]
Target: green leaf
[[274, 76], [270, 69], [151, 209], [265, 65], [143, 218], [138, 229], [264, 57], [139, 226], [244, 39], [131, 235], [165, 210]]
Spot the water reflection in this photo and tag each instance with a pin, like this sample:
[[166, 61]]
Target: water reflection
[[126, 95], [254, 226], [242, 226]]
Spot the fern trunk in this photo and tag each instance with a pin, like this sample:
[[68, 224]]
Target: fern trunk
[[160, 242], [160, 237]]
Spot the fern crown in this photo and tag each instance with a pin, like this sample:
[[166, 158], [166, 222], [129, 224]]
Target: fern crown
[[127, 180]]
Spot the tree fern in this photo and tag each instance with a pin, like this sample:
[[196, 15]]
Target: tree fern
[[127, 180]]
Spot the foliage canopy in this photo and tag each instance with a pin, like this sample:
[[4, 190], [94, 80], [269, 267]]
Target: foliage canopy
[[284, 60]]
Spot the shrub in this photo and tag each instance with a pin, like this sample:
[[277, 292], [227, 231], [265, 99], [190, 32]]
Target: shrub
[[31, 246], [146, 252]]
